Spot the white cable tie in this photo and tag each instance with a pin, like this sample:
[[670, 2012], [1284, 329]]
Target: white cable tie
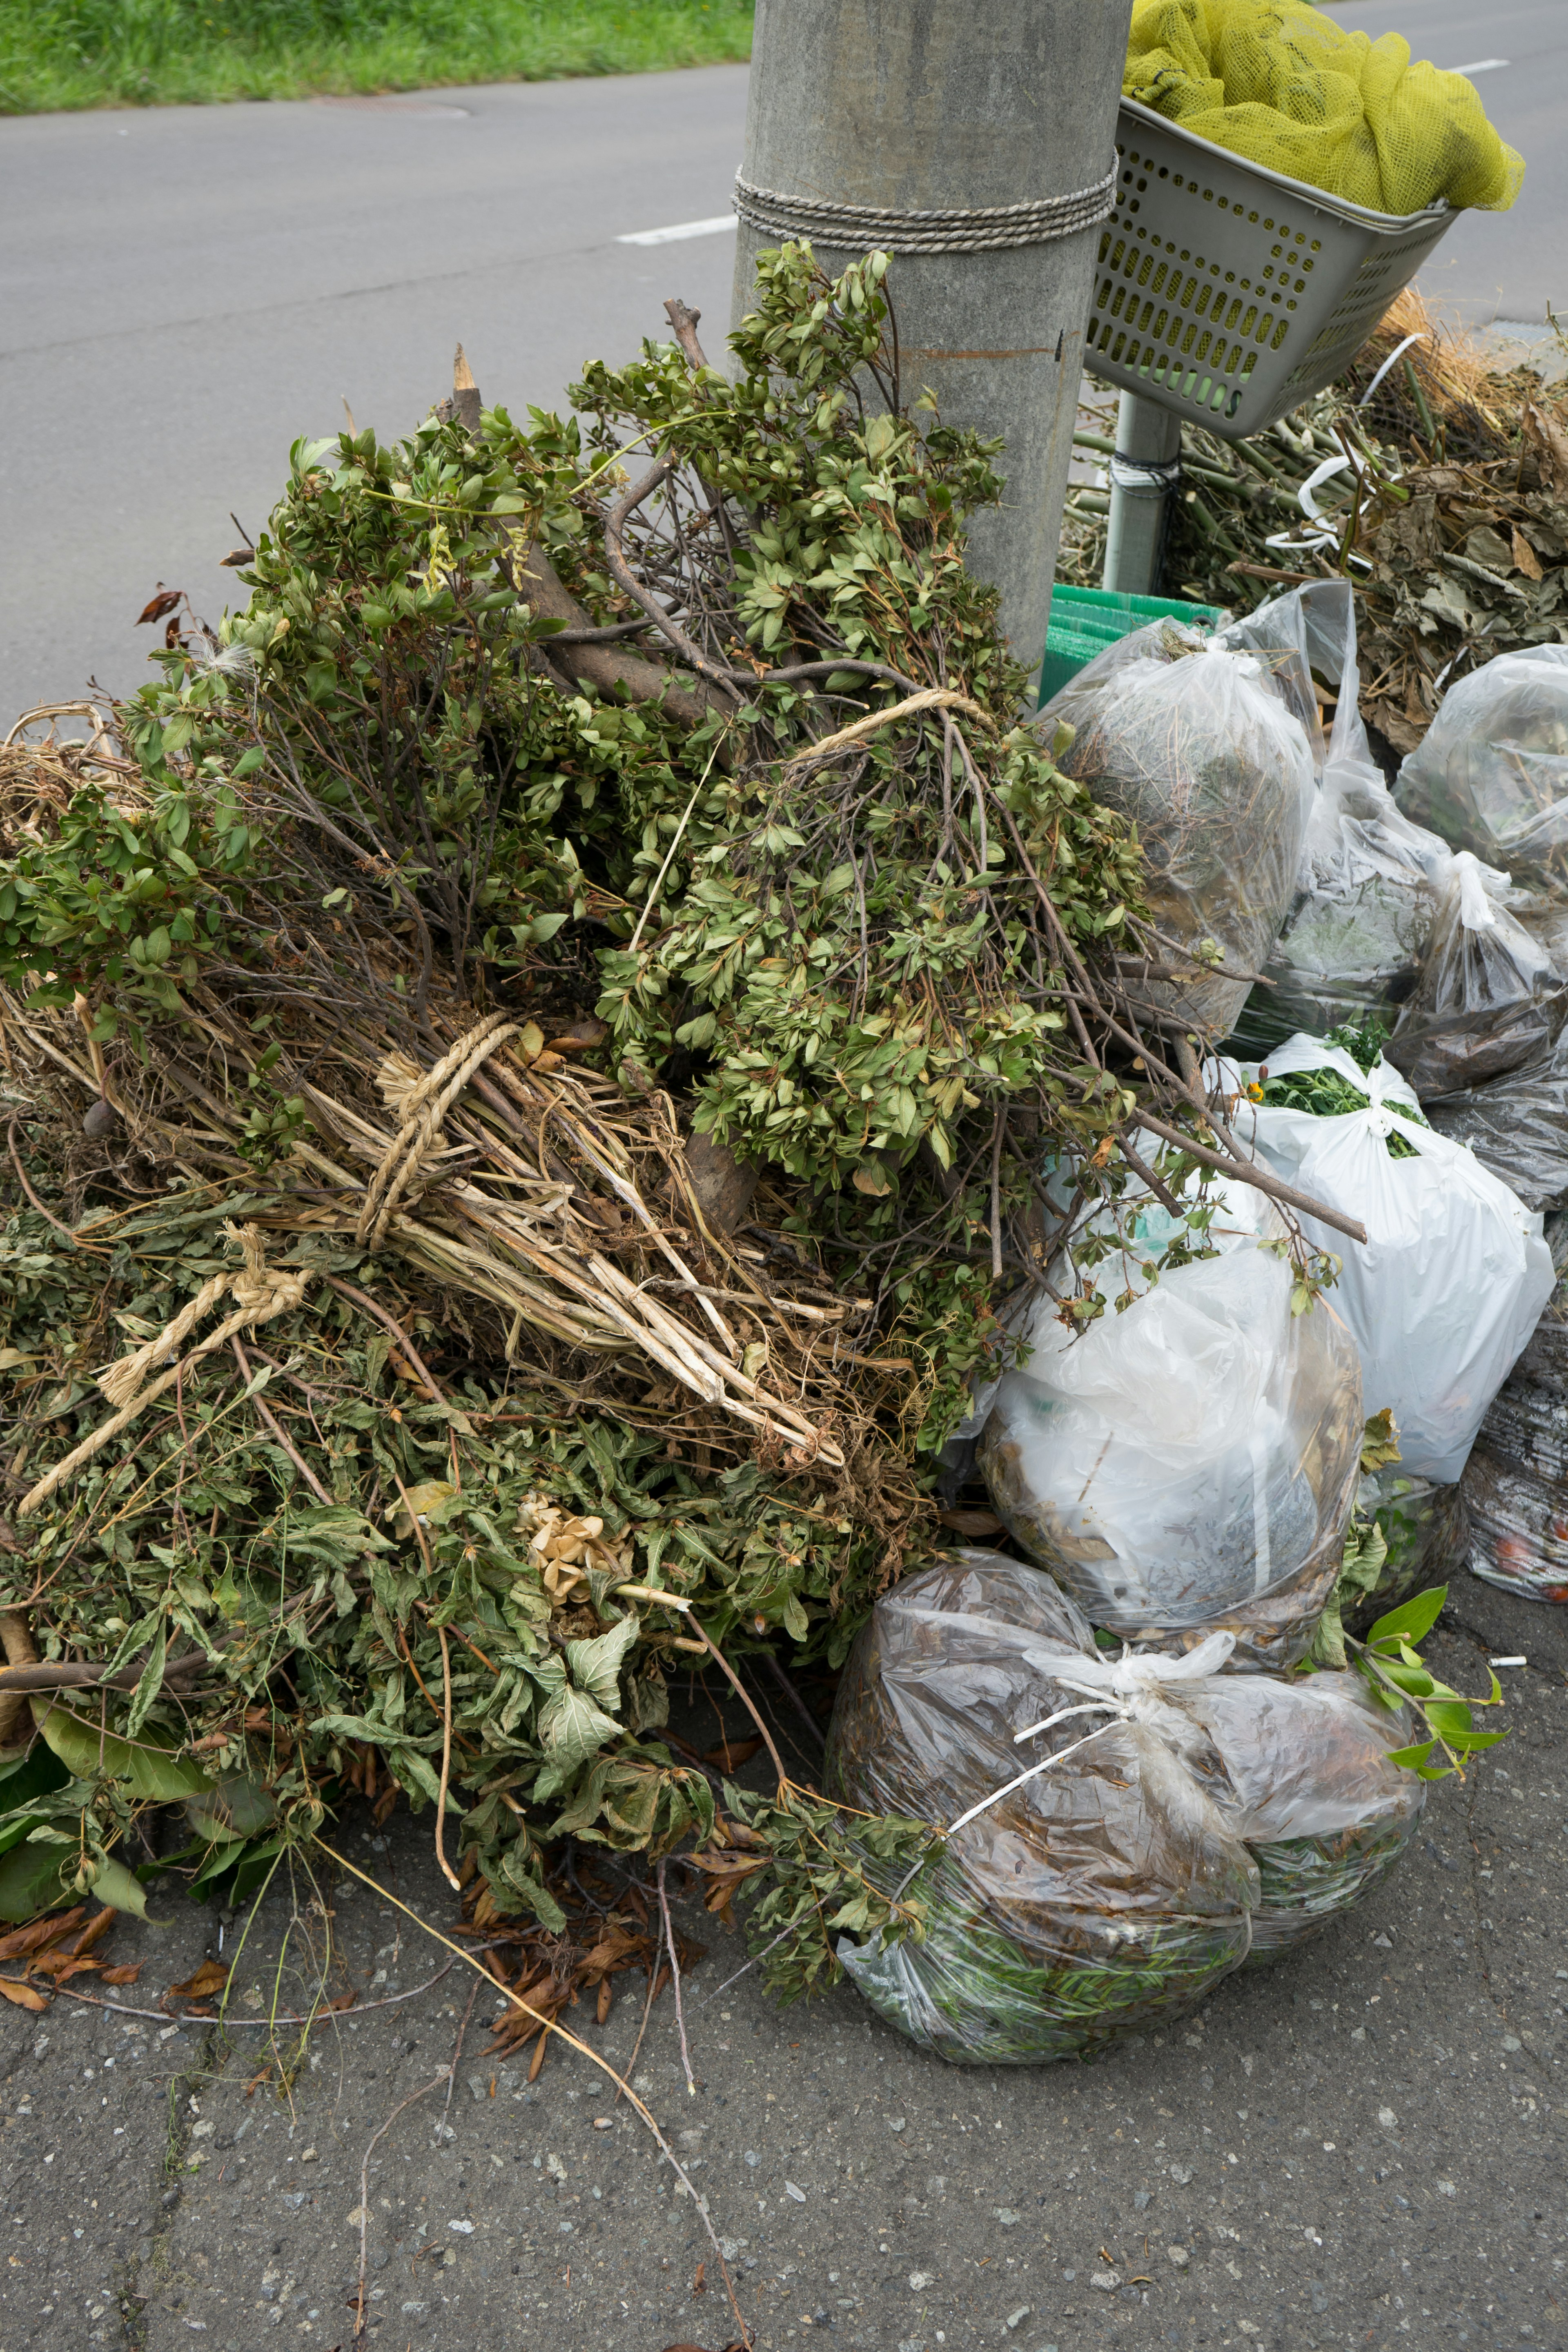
[[1323, 473], [1397, 352], [1091, 1707], [1120, 1714]]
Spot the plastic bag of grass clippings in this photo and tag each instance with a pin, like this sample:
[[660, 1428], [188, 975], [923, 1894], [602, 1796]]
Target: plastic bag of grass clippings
[[1185, 1459], [1492, 772], [1454, 1273], [1487, 998], [1185, 736], [1515, 1486], [1120, 1831], [1367, 890]]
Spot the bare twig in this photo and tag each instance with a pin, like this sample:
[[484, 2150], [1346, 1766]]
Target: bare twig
[[563, 2032], [674, 1978], [447, 1871], [276, 1429]]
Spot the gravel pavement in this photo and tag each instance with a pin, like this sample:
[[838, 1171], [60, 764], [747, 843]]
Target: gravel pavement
[[1363, 2147]]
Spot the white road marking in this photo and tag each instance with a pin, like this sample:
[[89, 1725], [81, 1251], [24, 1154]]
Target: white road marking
[[1482, 65], [680, 229]]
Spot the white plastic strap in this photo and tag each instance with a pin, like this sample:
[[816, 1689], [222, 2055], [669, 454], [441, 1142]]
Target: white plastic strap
[[1476, 909], [1397, 354]]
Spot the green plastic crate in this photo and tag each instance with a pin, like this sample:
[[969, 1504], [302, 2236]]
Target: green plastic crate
[[1084, 621]]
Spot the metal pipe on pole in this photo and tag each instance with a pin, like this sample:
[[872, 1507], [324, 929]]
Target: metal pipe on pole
[[999, 120], [1144, 471]]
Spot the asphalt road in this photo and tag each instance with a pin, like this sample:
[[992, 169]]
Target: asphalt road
[[186, 292], [1363, 2145], [183, 292]]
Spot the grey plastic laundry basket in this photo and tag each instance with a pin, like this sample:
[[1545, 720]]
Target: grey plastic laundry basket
[[1228, 292]]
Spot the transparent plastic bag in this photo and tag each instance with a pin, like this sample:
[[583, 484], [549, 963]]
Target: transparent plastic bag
[[1487, 998], [1516, 1481], [1188, 1461], [1454, 1273], [1367, 887], [1109, 1891], [1492, 772], [1185, 739], [1518, 1125]]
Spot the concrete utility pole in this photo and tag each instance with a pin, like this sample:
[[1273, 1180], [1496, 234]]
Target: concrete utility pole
[[997, 121]]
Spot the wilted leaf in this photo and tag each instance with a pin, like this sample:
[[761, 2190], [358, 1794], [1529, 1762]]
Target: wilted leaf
[[23, 1995], [210, 1978], [126, 1973], [730, 1754], [1380, 1440], [166, 600]]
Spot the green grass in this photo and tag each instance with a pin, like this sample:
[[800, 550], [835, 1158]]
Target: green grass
[[57, 53]]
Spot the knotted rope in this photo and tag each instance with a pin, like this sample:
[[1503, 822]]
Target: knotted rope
[[424, 1108], [259, 1291]]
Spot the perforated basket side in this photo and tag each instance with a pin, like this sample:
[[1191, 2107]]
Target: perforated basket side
[[1228, 292]]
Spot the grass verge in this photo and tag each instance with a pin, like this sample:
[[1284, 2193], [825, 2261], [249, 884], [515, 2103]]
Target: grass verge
[[70, 54]]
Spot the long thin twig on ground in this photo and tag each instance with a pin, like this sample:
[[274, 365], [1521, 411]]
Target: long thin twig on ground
[[433, 2084], [483, 1976], [653, 1977], [675, 1979], [570, 2039]]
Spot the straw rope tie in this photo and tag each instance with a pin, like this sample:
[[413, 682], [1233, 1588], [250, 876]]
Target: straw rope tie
[[990, 228], [423, 1109], [259, 1292]]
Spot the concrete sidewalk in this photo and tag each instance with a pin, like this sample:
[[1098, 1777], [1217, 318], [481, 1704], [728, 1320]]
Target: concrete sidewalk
[[1364, 2146]]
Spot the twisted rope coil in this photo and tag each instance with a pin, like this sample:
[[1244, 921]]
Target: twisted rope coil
[[991, 228], [424, 1108], [261, 1292]]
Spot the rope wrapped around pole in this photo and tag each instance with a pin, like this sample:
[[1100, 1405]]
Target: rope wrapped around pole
[[985, 228]]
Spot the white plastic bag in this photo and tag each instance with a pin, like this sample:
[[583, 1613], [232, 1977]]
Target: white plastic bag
[[1491, 773], [1189, 1460], [1454, 1274], [1186, 740]]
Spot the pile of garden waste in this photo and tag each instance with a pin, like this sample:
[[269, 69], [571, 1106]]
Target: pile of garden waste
[[559, 1066]]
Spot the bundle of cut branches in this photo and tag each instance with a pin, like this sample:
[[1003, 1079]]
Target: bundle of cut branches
[[528, 1057]]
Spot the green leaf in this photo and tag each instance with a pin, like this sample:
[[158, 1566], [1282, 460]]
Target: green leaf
[[149, 1769], [236, 1807], [572, 1729], [150, 1684], [596, 1664], [120, 1888], [1414, 1755], [1411, 1618], [30, 1880]]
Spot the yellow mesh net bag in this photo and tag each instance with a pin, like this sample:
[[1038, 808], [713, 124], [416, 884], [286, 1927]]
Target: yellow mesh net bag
[[1283, 86]]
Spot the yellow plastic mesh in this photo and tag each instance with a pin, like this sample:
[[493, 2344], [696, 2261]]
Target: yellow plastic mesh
[[1283, 86]]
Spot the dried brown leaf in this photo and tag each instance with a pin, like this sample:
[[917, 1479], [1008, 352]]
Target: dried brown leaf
[[730, 1754], [1525, 556], [210, 1978], [22, 1994]]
